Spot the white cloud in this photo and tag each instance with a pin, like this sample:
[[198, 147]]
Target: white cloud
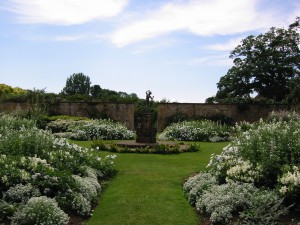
[[68, 38], [65, 12], [159, 44], [228, 46], [200, 17], [212, 60]]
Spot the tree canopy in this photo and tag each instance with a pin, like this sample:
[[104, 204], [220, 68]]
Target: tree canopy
[[267, 64], [78, 83]]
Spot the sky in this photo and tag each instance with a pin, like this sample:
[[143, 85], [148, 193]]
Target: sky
[[178, 49]]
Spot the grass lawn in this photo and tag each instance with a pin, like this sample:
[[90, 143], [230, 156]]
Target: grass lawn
[[148, 188]]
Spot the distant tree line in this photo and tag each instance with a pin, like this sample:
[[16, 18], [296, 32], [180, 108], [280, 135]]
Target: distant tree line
[[78, 88]]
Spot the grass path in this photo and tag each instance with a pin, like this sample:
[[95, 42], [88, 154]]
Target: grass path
[[148, 189]]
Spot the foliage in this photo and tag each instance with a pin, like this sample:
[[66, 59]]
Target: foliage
[[267, 64], [21, 193], [64, 125], [201, 130], [152, 149], [222, 202], [195, 186], [33, 162], [283, 115], [6, 90], [40, 210], [256, 176], [259, 154], [266, 207], [78, 83], [101, 129]]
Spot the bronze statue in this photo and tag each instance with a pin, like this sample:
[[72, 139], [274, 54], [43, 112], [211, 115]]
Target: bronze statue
[[148, 97]]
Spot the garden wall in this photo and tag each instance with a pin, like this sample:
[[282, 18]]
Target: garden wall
[[123, 113], [249, 112]]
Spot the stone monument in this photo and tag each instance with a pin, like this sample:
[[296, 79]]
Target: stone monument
[[145, 130]]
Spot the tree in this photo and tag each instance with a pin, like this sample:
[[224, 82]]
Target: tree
[[96, 91], [267, 64], [78, 83]]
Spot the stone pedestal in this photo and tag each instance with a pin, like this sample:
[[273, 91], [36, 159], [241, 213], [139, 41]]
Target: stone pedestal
[[145, 131]]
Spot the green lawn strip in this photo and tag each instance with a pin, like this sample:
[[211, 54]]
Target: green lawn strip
[[148, 188]]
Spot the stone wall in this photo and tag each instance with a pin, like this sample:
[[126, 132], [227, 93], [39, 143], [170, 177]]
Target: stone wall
[[9, 107], [250, 113], [123, 113]]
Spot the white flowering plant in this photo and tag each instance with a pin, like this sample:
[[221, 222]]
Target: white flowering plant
[[40, 210], [257, 175], [195, 186], [34, 163], [101, 129], [199, 130], [259, 154]]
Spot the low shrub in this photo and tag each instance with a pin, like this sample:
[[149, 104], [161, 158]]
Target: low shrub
[[195, 186], [101, 129], [40, 210], [21, 193], [201, 130]]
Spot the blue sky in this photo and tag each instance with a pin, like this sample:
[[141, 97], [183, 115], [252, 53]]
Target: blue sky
[[178, 49]]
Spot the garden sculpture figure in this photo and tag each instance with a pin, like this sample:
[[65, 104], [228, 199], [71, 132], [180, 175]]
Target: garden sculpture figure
[[148, 97]]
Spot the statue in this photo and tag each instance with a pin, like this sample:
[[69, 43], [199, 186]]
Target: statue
[[148, 97]]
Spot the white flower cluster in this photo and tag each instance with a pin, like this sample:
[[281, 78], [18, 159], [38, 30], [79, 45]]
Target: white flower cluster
[[80, 205], [21, 193], [244, 171], [290, 181], [202, 130], [87, 191], [40, 210], [196, 185], [219, 164], [221, 201], [101, 129]]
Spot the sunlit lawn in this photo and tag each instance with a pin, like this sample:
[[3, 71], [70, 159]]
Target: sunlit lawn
[[148, 188]]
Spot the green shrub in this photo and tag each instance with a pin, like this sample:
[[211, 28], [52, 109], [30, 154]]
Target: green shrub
[[265, 207], [99, 145], [6, 209]]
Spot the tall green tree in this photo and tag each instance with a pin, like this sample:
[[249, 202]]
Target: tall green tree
[[267, 64], [96, 91], [78, 83]]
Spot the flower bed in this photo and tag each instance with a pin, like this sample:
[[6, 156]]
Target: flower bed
[[84, 130], [38, 170], [200, 130], [255, 177]]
